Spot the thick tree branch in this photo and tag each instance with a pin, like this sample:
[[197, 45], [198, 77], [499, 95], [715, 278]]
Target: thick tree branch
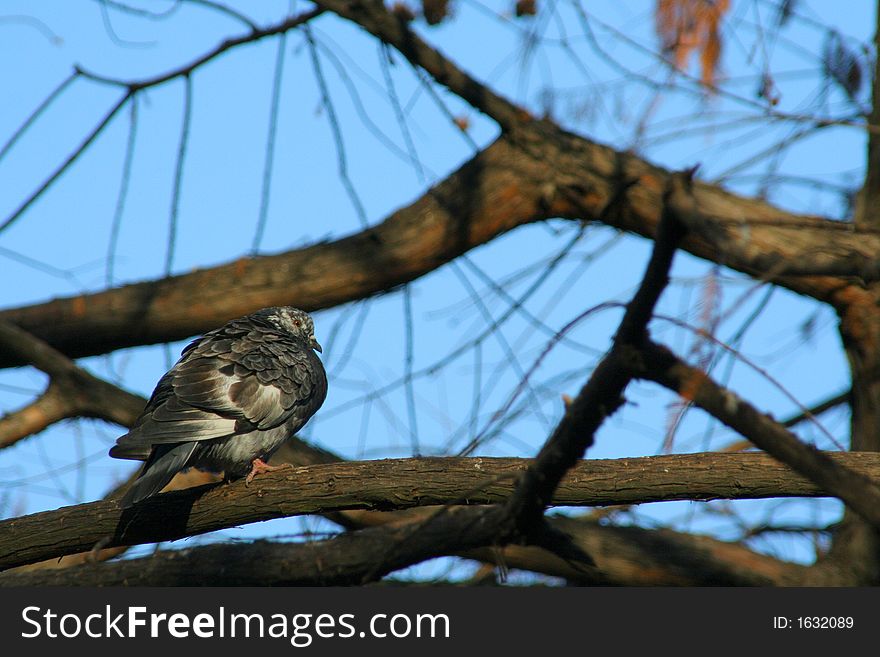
[[858, 544], [352, 558], [857, 491], [860, 334], [50, 407], [511, 183], [635, 556], [489, 195], [629, 556], [182, 480], [398, 484]]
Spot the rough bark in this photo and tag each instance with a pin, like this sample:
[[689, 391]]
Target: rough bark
[[543, 172], [860, 493], [395, 484], [627, 556], [352, 558]]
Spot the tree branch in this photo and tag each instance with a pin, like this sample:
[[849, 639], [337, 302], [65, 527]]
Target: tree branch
[[489, 195], [351, 558], [635, 556], [72, 392], [186, 70], [509, 184], [602, 395], [629, 556], [857, 491], [394, 30], [398, 484]]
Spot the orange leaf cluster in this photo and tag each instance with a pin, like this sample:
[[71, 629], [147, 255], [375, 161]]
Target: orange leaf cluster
[[687, 26]]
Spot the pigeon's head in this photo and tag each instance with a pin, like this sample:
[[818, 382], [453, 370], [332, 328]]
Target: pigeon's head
[[294, 321]]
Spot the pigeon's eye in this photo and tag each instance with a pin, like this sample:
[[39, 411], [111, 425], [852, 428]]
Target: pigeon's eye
[[297, 323]]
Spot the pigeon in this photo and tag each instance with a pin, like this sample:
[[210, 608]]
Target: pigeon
[[236, 394]]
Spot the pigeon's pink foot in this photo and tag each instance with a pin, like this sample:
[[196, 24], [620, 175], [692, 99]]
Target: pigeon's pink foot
[[258, 466]]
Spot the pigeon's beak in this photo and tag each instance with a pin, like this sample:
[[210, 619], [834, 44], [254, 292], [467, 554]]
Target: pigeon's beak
[[314, 344]]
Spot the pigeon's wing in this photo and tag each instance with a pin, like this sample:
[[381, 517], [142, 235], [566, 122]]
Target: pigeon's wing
[[226, 386], [138, 442]]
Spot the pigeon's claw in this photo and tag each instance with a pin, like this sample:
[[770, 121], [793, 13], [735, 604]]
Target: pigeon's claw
[[259, 466]]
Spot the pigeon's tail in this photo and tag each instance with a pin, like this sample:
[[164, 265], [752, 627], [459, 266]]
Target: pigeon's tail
[[165, 462]]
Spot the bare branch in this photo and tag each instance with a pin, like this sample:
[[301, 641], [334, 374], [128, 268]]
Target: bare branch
[[72, 392], [628, 556], [351, 558], [493, 193], [858, 492], [602, 395], [509, 184], [391, 29], [635, 556], [68, 162], [186, 70], [395, 484]]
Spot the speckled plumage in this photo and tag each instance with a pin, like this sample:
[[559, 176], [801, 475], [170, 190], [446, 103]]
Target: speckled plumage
[[236, 394]]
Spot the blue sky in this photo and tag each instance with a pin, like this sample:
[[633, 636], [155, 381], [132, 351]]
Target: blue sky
[[60, 245]]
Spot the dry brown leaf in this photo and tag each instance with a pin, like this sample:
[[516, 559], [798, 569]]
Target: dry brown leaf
[[689, 26]]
